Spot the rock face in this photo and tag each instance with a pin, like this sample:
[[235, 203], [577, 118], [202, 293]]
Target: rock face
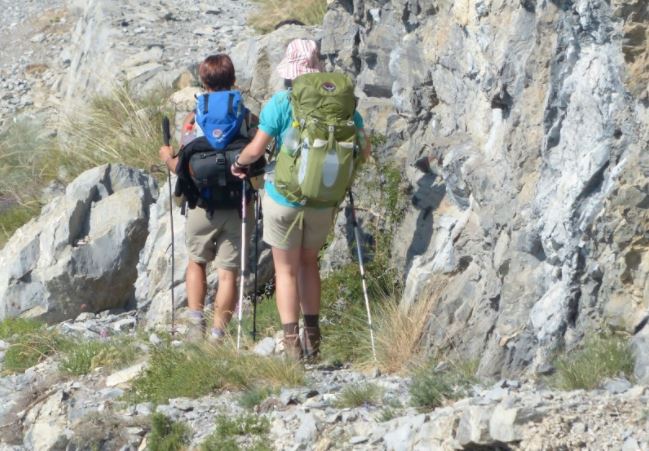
[[81, 253], [533, 116]]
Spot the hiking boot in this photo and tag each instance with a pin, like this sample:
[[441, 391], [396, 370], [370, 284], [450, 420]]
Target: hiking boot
[[311, 342], [195, 328], [293, 346], [216, 337]]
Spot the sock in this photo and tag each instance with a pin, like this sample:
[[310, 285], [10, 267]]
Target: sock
[[291, 328], [311, 320], [196, 314], [217, 333]]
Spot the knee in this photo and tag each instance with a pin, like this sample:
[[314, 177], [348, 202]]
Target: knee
[[227, 276]]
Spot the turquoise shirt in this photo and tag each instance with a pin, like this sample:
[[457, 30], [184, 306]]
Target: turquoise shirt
[[275, 118]]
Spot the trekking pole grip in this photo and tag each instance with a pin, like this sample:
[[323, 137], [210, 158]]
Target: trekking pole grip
[[166, 133]]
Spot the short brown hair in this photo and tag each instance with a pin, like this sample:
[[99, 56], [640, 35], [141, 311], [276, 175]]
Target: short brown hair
[[217, 72]]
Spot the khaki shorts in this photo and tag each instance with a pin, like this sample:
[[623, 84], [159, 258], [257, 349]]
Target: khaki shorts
[[285, 228], [216, 237]]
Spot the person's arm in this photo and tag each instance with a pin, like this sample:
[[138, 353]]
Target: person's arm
[[251, 153], [167, 157]]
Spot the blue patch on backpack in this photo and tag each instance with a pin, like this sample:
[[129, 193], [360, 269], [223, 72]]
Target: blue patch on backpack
[[220, 115]]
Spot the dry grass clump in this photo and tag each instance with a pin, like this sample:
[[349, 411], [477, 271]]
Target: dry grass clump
[[117, 128], [272, 12]]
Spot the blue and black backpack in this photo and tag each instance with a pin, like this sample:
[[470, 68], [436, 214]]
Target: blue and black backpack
[[204, 176]]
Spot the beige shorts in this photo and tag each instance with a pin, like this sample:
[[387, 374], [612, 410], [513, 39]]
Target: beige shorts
[[285, 228], [216, 237]]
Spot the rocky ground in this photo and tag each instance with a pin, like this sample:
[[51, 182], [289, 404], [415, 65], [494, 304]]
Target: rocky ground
[[43, 409], [52, 52]]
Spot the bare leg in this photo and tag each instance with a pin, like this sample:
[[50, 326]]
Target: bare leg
[[196, 285], [226, 298], [309, 282], [287, 264]]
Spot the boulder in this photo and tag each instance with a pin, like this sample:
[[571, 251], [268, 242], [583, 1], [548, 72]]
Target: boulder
[[81, 253]]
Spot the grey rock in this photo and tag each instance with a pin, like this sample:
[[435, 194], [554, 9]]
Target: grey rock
[[616, 385], [265, 347], [307, 430], [81, 253]]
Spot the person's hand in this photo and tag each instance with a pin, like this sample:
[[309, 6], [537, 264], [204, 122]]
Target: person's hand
[[166, 153], [239, 171]]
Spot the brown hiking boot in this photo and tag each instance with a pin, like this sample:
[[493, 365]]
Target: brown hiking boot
[[311, 342], [293, 346]]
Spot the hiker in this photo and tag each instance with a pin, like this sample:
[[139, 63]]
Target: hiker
[[213, 231], [295, 231]]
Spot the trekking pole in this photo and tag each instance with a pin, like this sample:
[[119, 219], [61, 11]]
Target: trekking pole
[[242, 276], [254, 293], [357, 236], [166, 138]]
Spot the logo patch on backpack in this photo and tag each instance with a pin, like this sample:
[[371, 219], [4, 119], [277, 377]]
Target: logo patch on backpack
[[217, 133], [328, 86]]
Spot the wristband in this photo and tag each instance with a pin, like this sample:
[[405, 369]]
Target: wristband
[[239, 165]]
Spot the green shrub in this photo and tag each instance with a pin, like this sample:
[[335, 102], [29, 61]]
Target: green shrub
[[243, 432], [89, 355], [193, 371], [167, 435], [599, 358], [272, 12], [253, 396], [429, 387], [360, 394], [268, 322]]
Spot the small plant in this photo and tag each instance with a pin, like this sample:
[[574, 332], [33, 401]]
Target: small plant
[[378, 139], [272, 12], [430, 387], [387, 414], [357, 395], [268, 322], [600, 357], [167, 435], [87, 356], [247, 432], [254, 396]]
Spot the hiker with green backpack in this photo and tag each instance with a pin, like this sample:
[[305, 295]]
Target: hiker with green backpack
[[321, 142]]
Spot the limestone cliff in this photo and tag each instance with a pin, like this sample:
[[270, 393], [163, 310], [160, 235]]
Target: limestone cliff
[[532, 116]]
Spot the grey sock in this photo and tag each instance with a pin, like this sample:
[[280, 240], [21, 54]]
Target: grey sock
[[218, 333]]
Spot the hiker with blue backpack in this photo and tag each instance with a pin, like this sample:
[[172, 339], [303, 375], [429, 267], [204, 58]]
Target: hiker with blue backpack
[[213, 195], [321, 142]]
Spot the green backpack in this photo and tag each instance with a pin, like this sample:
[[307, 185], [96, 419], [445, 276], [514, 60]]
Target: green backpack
[[320, 153]]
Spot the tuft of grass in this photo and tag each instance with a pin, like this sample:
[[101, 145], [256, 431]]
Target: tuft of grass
[[360, 394], [89, 355], [14, 217], [246, 431], [29, 349], [272, 12], [601, 357], [15, 327], [253, 396], [194, 370], [431, 387], [119, 127], [387, 414], [167, 435]]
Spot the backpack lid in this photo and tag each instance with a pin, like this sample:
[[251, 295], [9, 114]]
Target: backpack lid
[[325, 96], [220, 115]]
